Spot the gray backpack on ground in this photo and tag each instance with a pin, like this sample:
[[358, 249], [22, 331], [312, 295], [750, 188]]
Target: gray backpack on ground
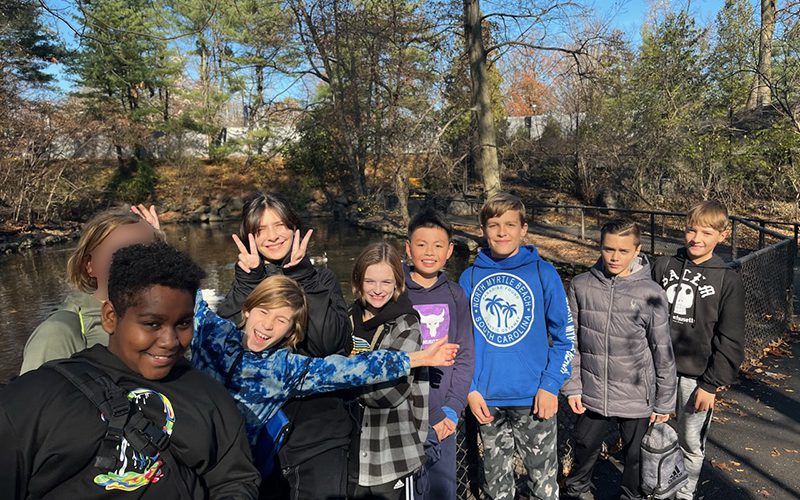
[[661, 464]]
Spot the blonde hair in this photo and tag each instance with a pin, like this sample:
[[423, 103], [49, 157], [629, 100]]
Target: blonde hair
[[377, 253], [710, 213], [500, 203], [281, 291], [92, 235]]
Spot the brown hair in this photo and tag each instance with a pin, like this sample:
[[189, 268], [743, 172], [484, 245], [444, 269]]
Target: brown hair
[[93, 234], [500, 203], [253, 210], [622, 227], [375, 254], [708, 213], [281, 291]]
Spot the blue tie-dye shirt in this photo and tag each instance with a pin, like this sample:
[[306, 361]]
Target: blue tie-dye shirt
[[261, 382]]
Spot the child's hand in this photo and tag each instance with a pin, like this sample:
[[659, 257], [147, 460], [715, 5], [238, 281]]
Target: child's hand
[[248, 258], [444, 429], [703, 400], [299, 248], [148, 214], [478, 406], [440, 353], [658, 418], [576, 404], [545, 404]]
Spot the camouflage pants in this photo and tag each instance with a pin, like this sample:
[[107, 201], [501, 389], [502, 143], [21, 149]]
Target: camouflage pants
[[534, 440]]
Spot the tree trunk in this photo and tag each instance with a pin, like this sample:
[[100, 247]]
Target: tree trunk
[[760, 88], [485, 154]]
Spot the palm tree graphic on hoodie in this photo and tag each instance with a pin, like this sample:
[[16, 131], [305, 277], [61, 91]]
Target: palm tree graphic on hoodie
[[501, 309]]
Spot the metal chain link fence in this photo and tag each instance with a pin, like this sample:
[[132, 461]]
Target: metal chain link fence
[[765, 261]]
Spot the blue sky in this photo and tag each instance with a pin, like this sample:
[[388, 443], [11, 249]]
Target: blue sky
[[627, 15]]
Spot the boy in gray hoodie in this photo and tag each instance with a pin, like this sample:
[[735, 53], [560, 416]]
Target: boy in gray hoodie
[[624, 367]]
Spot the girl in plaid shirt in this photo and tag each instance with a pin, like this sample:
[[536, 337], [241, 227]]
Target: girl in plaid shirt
[[393, 415]]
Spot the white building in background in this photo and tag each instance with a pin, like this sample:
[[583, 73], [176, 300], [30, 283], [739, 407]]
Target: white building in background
[[535, 125]]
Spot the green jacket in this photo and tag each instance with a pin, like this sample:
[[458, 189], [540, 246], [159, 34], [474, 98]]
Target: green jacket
[[73, 327]]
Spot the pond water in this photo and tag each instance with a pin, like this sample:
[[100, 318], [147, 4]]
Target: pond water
[[32, 283]]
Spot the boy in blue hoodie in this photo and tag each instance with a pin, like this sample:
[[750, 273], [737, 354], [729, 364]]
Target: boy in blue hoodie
[[443, 311], [517, 303]]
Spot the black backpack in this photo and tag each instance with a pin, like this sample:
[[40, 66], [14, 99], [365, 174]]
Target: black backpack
[[123, 416]]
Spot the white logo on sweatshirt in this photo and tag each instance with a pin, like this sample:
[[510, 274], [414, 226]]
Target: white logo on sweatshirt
[[502, 309], [682, 291]]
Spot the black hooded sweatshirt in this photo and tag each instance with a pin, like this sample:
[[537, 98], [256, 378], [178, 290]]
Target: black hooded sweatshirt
[[706, 317], [319, 423], [51, 433]]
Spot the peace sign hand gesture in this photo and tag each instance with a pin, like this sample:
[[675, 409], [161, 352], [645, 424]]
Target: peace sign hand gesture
[[299, 248], [248, 258]]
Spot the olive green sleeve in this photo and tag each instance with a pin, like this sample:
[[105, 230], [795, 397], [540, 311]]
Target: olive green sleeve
[[57, 337]]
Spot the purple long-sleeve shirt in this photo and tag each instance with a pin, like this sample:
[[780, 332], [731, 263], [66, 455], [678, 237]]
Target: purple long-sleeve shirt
[[444, 310]]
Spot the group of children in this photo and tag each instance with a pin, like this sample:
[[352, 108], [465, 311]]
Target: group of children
[[373, 391]]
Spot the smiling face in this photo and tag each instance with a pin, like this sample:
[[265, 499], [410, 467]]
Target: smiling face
[[505, 233], [274, 237], [701, 241], [154, 332], [618, 253], [265, 327], [378, 285], [99, 262], [429, 249]]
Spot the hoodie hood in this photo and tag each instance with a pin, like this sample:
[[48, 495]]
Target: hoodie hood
[[527, 254]]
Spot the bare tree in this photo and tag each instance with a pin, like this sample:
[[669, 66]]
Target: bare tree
[[760, 94]]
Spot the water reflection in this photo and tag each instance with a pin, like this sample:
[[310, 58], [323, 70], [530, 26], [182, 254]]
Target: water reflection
[[33, 283]]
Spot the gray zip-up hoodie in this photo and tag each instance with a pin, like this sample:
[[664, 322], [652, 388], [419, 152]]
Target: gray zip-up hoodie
[[624, 365]]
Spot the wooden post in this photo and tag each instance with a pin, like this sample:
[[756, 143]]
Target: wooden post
[[733, 239], [583, 225], [652, 233], [761, 234]]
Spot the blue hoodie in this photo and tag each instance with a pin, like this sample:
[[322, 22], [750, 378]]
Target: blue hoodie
[[515, 303]]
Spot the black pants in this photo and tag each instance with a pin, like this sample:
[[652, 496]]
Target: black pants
[[386, 491], [590, 429], [323, 477]]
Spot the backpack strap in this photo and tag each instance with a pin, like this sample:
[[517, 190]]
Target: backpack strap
[[124, 419]]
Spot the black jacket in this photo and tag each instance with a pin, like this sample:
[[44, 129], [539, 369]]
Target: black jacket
[[706, 317], [319, 423], [50, 434]]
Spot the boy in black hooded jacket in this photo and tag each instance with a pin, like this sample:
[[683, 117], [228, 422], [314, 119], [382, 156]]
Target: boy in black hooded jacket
[[55, 442], [706, 299]]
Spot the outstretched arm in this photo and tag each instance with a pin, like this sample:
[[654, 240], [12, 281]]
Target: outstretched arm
[[339, 372]]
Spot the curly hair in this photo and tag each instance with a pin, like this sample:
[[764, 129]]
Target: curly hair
[[138, 267]]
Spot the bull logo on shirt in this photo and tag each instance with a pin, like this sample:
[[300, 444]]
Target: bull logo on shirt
[[434, 320], [502, 309]]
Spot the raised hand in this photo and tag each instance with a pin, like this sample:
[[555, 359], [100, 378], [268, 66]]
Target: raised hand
[[248, 258], [299, 248], [148, 214]]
